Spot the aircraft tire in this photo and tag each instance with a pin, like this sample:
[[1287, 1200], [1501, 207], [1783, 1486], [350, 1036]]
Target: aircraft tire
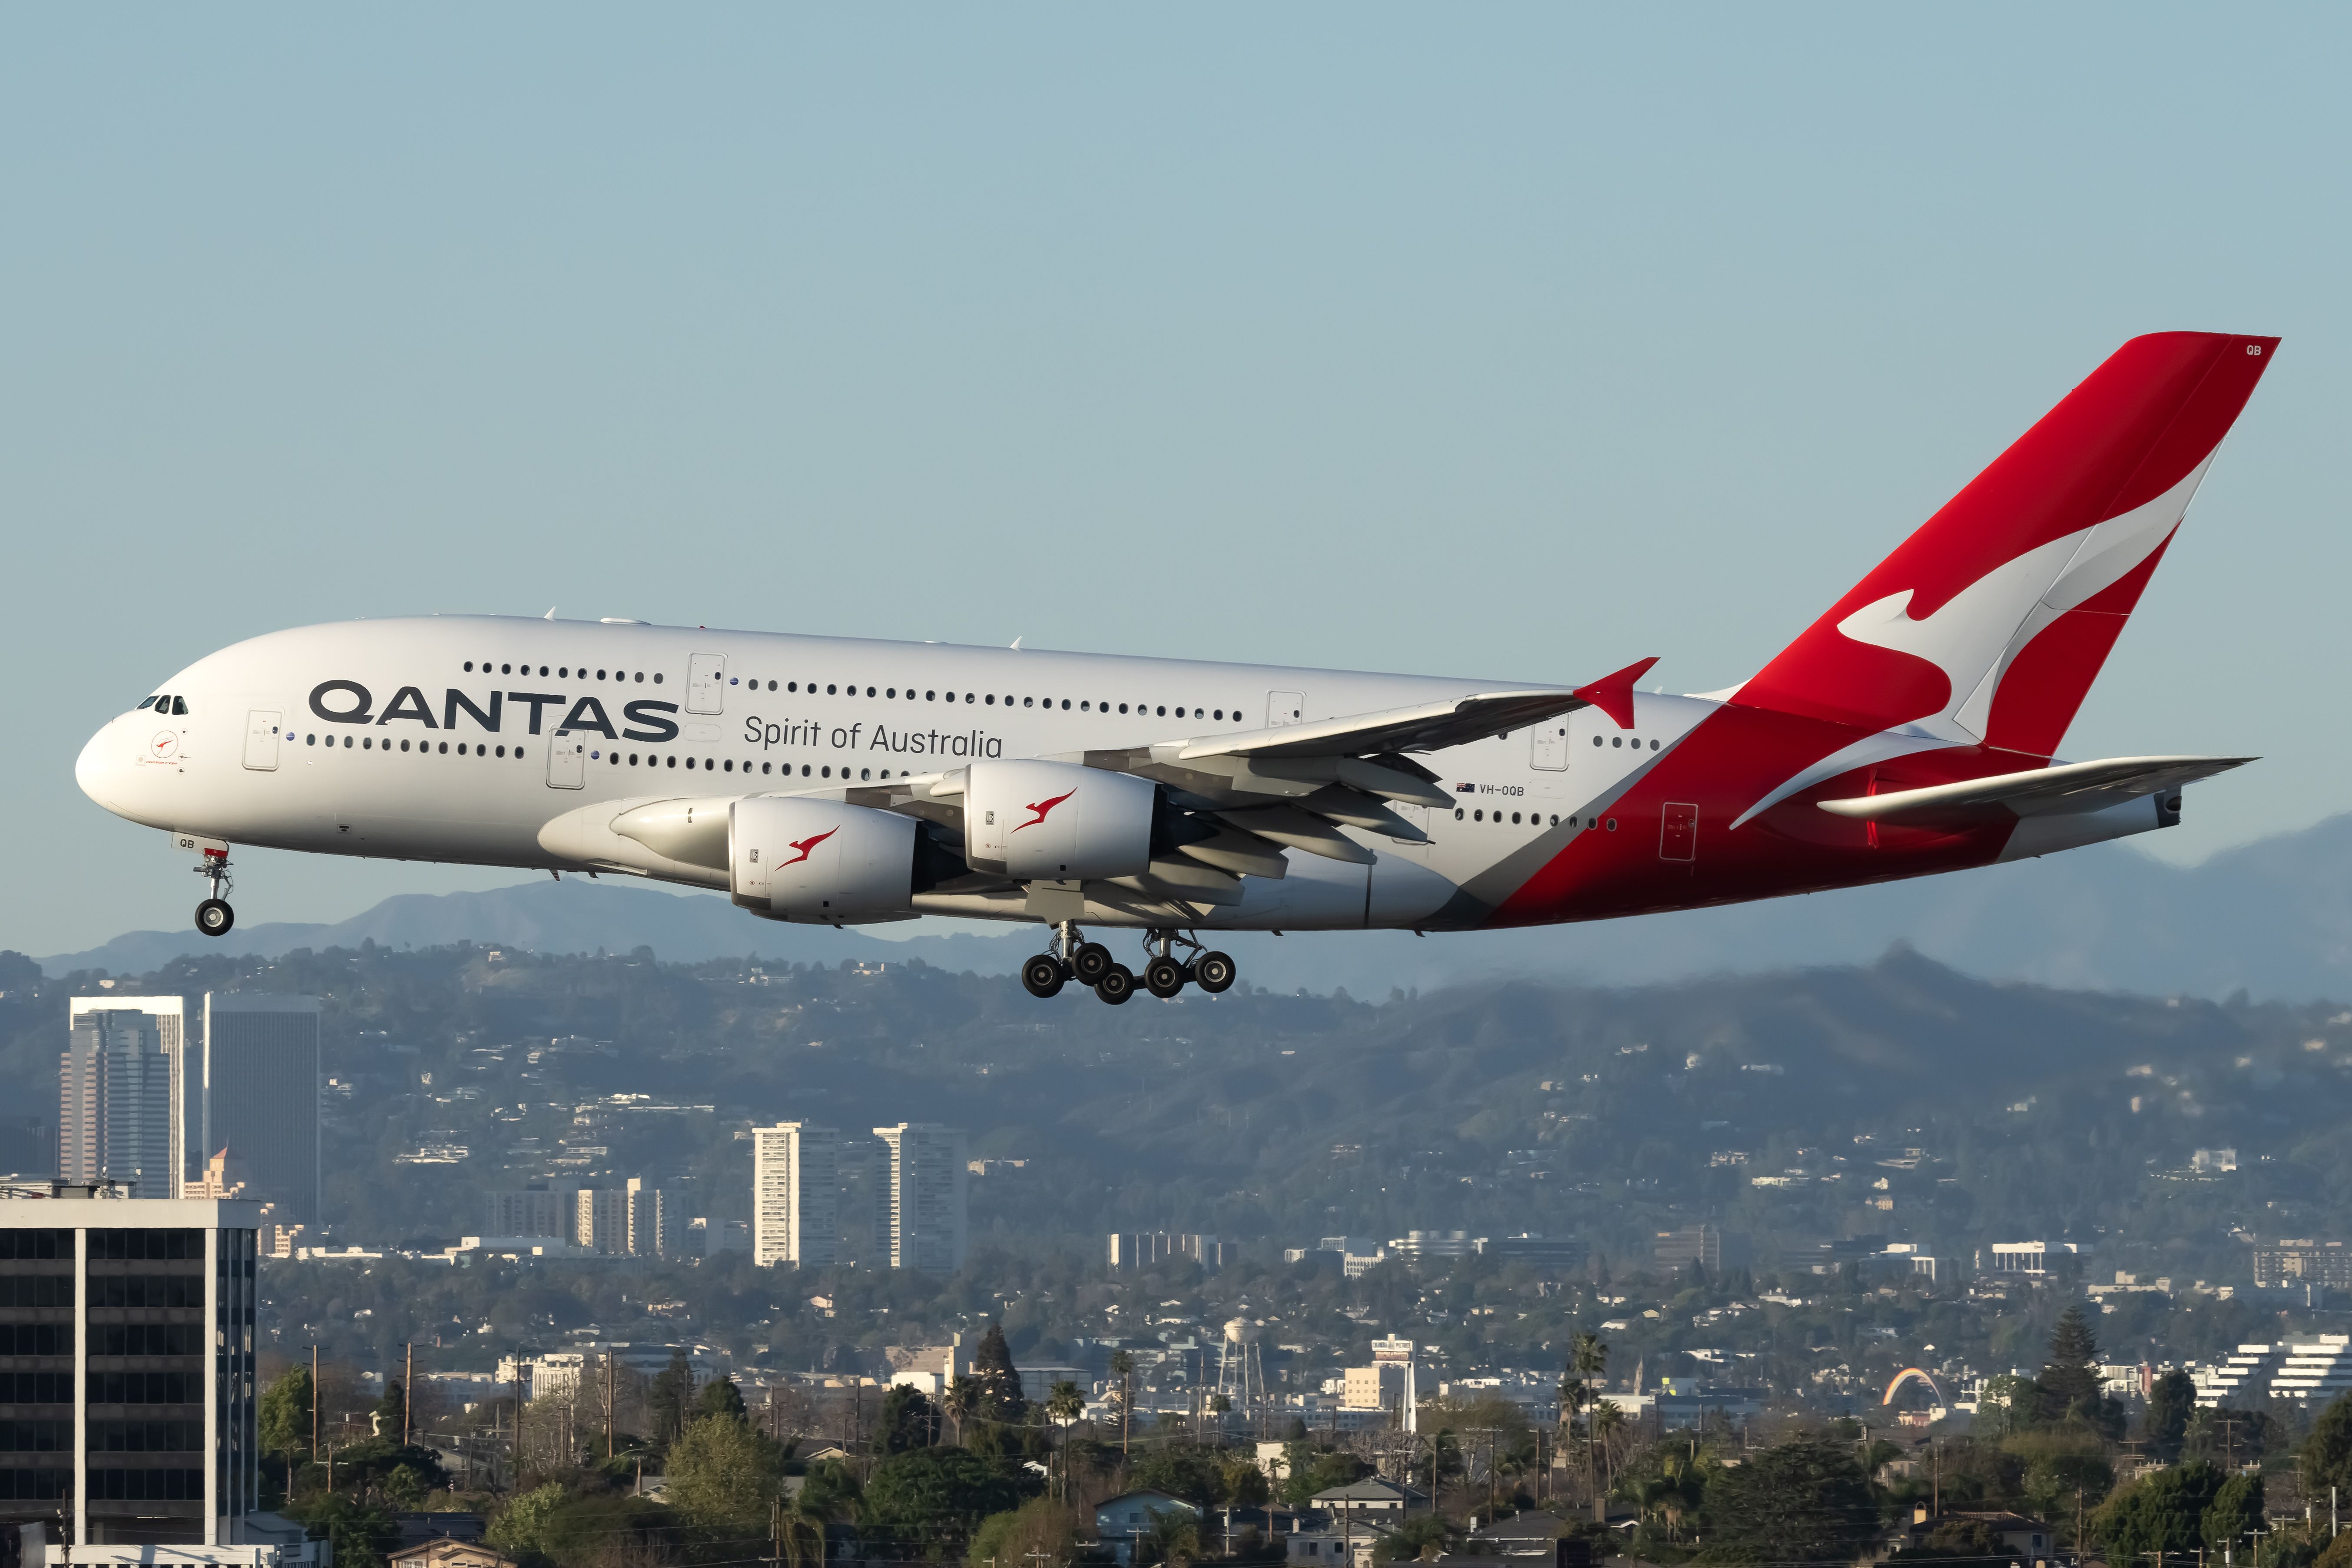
[[1043, 975], [214, 918], [1116, 985], [1163, 977], [1212, 972], [1091, 961]]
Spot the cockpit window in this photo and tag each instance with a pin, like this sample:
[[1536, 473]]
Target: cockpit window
[[179, 706], [147, 703]]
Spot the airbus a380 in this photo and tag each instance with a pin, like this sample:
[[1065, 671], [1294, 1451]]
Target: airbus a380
[[1913, 728]]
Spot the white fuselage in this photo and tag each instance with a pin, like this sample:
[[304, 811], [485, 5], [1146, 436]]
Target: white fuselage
[[437, 738]]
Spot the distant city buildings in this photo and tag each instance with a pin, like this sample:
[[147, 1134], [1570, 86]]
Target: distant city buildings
[[260, 1096], [906, 1187], [925, 1195], [1699, 1244], [122, 1094], [1130, 1250], [2295, 1264], [627, 1221], [795, 1195], [2304, 1371], [620, 1222], [535, 1210]]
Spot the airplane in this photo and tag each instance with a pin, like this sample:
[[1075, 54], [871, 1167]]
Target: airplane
[[1912, 728]]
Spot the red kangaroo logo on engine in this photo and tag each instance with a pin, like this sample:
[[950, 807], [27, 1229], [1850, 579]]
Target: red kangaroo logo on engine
[[804, 846], [1043, 808]]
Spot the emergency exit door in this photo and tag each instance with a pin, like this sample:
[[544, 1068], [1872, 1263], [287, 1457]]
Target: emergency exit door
[[1678, 831], [261, 739], [706, 683], [1550, 746], [567, 760], [1284, 708]]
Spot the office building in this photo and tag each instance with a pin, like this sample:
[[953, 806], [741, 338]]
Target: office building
[[536, 1210], [2299, 1265], [1130, 1250], [647, 1237], [260, 1096], [2313, 1372], [130, 1393], [620, 1222], [182, 1089], [1699, 1244], [795, 1196], [114, 1103], [925, 1197]]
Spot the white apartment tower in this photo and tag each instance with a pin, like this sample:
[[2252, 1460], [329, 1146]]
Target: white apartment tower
[[795, 1195], [179, 1084], [924, 1205]]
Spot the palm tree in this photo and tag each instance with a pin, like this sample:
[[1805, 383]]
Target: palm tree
[[1065, 1404], [961, 1400], [1588, 1359]]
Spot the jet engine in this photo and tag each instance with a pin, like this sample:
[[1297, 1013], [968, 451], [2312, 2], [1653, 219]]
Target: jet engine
[[791, 859], [1060, 821]]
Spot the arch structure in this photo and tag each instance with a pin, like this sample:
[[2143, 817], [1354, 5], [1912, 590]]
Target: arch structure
[[1906, 1375]]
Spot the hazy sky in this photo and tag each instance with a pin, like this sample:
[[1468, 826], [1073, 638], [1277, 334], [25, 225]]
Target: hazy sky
[[1510, 341]]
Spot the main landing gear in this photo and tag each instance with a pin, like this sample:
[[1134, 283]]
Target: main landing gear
[[1091, 965], [214, 917]]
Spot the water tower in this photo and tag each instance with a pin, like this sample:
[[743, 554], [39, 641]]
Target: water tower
[[1240, 1368]]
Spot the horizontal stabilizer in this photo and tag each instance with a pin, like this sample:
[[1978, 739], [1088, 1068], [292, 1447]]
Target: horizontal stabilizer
[[2069, 789]]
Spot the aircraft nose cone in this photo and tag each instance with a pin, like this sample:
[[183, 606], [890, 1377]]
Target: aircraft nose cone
[[98, 770]]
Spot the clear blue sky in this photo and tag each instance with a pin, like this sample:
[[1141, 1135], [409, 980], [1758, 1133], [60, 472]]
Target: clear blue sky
[[1517, 341]]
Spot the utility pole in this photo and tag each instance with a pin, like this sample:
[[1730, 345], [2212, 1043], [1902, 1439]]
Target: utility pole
[[407, 1392], [608, 1403], [515, 1454], [314, 1404]]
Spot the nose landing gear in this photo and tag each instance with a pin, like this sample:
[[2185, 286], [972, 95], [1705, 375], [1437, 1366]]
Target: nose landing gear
[[214, 917]]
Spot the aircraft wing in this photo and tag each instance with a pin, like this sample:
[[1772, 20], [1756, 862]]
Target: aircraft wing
[[2069, 789], [1429, 727]]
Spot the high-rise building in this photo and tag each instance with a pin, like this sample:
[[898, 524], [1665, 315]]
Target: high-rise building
[[925, 1197], [260, 1094], [130, 1390], [795, 1195], [647, 1236], [534, 1211], [183, 1087], [114, 1103]]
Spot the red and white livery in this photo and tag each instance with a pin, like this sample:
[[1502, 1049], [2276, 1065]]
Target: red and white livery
[[1914, 728]]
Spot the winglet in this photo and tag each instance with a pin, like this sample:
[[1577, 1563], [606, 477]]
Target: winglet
[[1613, 694]]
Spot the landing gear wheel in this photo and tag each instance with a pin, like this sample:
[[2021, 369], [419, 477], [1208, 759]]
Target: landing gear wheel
[[214, 917], [1116, 985], [1091, 963], [1212, 972], [1043, 975], [1163, 977]]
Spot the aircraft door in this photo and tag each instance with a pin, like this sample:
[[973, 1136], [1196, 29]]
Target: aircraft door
[[567, 760], [1678, 831], [706, 683], [261, 741], [1550, 746], [1284, 708]]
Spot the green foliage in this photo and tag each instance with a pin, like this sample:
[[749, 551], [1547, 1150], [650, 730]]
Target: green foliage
[[1310, 1469], [2327, 1452], [1174, 1538], [1421, 1536], [1002, 1397], [1196, 1475], [1244, 1485], [831, 1492], [284, 1420], [720, 1397], [1050, 1529], [361, 1532], [391, 1411], [1969, 1539], [909, 1420], [2163, 1511], [724, 1475], [2170, 1402], [1804, 1502], [927, 1497], [520, 1529], [671, 1399], [2070, 1379], [2237, 1508]]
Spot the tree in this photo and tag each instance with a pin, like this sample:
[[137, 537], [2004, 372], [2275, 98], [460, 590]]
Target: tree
[[1175, 1537], [926, 1496], [2163, 1511], [2236, 1511], [360, 1533], [723, 1474], [1003, 1398], [392, 1410], [2170, 1403], [521, 1527], [1037, 1531], [2070, 1379], [1421, 1536], [1065, 1405], [909, 1420], [1806, 1501], [720, 1397], [962, 1401], [1588, 1359], [670, 1397], [1310, 1471], [285, 1415], [2327, 1452]]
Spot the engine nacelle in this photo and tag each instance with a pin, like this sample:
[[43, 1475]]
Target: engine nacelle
[[799, 860], [1057, 821]]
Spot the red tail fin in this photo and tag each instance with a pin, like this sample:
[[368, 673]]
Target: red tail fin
[[1991, 621]]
